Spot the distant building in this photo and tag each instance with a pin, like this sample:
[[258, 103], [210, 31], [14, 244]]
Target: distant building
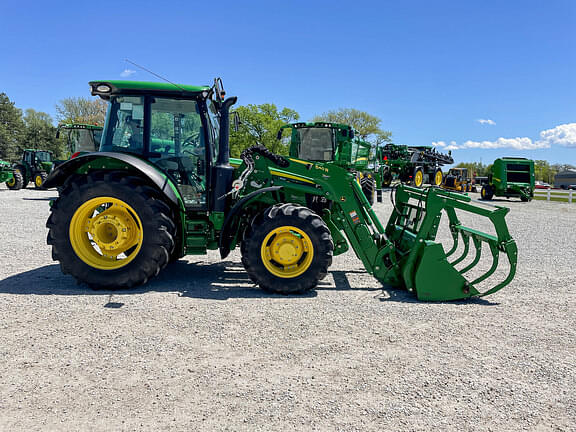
[[565, 178]]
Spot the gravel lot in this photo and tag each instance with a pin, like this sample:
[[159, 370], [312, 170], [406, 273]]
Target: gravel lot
[[200, 348]]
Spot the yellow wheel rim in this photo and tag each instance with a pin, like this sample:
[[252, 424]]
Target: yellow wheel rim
[[483, 193], [38, 180], [287, 252], [418, 178], [11, 182], [438, 178], [106, 233]]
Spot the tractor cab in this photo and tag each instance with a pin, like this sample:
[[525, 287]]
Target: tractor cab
[[460, 174], [174, 127], [80, 137]]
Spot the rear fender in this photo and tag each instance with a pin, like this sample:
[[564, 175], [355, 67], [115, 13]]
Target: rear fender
[[106, 160]]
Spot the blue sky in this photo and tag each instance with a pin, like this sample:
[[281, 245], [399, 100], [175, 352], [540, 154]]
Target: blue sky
[[429, 69]]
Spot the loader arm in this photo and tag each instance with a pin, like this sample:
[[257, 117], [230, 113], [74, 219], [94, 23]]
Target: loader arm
[[404, 253]]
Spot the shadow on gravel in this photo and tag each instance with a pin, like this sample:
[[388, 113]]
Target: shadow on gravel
[[210, 281], [39, 199]]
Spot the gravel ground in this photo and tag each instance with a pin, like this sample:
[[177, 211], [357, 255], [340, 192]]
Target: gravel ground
[[200, 348]]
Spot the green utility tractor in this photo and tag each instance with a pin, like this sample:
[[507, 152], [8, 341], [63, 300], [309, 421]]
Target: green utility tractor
[[34, 167], [510, 177], [162, 186], [11, 176], [412, 165], [333, 143], [80, 137]]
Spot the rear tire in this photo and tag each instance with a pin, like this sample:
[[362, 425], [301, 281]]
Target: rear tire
[[368, 186], [137, 222], [418, 177], [290, 233], [17, 182]]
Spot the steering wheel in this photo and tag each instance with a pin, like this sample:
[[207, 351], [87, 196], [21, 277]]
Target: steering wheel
[[192, 145]]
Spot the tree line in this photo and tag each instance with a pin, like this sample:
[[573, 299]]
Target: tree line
[[35, 129]]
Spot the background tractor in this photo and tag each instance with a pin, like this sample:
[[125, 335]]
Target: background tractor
[[335, 143], [33, 167], [12, 177], [162, 186], [510, 177], [457, 179], [80, 137]]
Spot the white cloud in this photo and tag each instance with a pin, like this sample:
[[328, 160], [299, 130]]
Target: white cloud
[[564, 135], [486, 121], [127, 72]]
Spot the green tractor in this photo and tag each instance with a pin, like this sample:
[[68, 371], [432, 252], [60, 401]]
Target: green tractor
[[163, 186], [11, 176], [510, 177], [80, 137], [33, 167], [334, 143]]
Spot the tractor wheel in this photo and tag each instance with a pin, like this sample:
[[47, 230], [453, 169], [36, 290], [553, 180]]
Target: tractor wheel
[[387, 179], [110, 230], [438, 177], [368, 186], [418, 178], [17, 180], [287, 250], [524, 199], [39, 180], [486, 193]]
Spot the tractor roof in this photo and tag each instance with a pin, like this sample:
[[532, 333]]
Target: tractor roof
[[78, 126], [319, 124], [105, 89]]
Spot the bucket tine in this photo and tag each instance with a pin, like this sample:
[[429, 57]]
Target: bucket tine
[[466, 240], [493, 267], [454, 223], [478, 246]]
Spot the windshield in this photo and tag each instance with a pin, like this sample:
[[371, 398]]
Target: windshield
[[316, 144], [83, 140], [44, 156], [125, 125]]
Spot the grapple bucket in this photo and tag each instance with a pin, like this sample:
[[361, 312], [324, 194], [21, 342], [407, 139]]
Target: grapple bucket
[[430, 270]]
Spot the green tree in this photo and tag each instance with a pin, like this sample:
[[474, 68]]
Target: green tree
[[81, 110], [11, 128], [259, 124], [366, 125], [40, 133]]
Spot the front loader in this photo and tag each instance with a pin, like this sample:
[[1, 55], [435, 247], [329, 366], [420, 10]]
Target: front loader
[[162, 186]]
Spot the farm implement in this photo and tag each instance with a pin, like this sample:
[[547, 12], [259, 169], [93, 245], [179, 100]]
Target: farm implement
[[163, 186], [510, 177]]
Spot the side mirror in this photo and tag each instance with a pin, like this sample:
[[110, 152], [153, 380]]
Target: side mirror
[[58, 134], [279, 135]]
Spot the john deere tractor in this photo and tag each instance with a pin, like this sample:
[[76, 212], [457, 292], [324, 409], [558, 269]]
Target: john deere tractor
[[11, 176], [34, 167], [80, 137], [162, 186], [334, 143]]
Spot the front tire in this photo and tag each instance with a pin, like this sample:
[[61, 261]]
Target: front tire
[[368, 186], [110, 230], [287, 250], [39, 180], [438, 177]]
